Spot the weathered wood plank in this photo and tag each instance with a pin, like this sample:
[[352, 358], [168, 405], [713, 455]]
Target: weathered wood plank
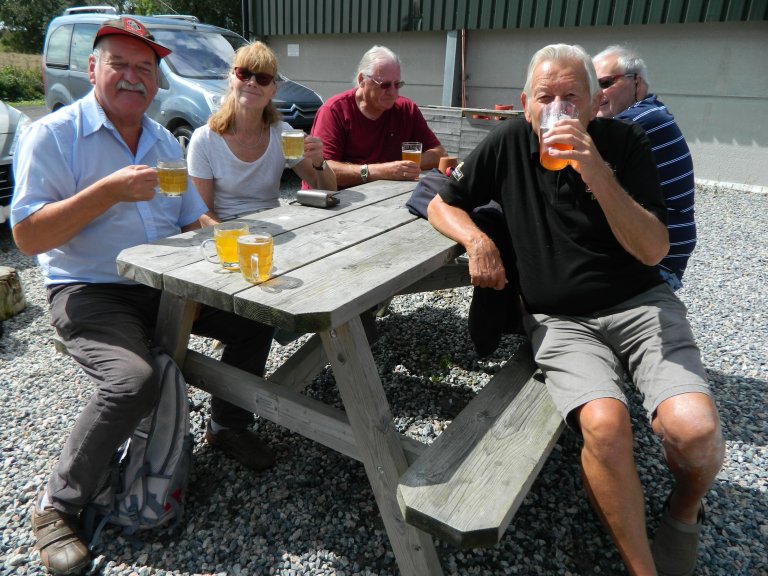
[[310, 418], [467, 486], [147, 263], [459, 131], [452, 275], [378, 442], [209, 284], [363, 276], [299, 370]]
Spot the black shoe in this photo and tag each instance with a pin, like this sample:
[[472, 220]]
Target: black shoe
[[243, 445], [493, 313]]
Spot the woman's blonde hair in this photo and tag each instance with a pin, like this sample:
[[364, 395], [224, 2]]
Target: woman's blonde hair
[[257, 57]]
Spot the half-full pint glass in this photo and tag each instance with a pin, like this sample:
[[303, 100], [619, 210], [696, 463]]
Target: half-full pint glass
[[552, 112], [254, 252]]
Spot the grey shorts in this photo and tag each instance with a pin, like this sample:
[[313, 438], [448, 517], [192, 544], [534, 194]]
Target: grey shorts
[[585, 358]]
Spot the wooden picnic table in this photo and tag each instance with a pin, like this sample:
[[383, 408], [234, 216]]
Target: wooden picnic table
[[330, 266]]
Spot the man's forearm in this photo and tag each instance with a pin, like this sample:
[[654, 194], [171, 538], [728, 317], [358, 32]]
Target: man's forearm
[[485, 265]]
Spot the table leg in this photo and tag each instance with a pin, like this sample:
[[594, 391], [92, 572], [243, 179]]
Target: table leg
[[378, 443], [174, 324]]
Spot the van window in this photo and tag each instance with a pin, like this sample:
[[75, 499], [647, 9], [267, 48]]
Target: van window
[[197, 54], [57, 55], [82, 46]]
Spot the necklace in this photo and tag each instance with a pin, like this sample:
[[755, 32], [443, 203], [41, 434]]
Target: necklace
[[248, 146]]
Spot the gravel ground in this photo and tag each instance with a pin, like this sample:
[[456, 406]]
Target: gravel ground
[[314, 513]]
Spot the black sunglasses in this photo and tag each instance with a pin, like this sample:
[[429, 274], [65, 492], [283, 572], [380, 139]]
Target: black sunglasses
[[608, 81], [387, 85], [245, 75]]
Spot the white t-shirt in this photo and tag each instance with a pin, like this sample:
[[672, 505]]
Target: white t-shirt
[[238, 187]]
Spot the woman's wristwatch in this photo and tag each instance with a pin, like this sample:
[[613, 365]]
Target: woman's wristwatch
[[364, 173], [322, 166]]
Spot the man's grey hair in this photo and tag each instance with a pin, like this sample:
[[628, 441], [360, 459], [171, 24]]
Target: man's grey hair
[[374, 56], [97, 53], [563, 53], [628, 60]]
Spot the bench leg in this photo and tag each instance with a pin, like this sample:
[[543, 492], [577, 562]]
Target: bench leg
[[378, 443]]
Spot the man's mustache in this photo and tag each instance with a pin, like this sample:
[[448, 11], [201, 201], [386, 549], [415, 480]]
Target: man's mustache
[[138, 87]]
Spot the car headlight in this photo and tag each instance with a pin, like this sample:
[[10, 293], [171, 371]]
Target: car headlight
[[21, 125], [214, 100]]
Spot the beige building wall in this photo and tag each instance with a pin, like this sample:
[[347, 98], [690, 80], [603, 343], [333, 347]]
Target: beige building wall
[[712, 77]]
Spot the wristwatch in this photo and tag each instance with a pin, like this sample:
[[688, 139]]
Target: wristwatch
[[364, 173], [322, 166]]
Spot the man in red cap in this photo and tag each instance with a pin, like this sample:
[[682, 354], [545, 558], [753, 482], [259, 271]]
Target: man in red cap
[[85, 191]]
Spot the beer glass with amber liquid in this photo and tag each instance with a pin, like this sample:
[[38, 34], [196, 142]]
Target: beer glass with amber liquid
[[412, 152], [551, 113], [225, 235], [254, 251], [172, 177], [292, 142]]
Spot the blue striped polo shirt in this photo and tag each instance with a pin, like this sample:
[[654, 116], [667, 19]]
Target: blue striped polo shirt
[[673, 160]]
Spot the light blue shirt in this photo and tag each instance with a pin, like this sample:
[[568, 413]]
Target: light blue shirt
[[67, 151]]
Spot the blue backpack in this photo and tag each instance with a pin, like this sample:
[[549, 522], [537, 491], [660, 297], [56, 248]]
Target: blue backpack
[[147, 482]]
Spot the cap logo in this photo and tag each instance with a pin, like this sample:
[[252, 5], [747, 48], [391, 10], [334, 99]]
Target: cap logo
[[131, 23]]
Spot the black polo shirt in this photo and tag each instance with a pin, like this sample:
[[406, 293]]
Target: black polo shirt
[[568, 260]]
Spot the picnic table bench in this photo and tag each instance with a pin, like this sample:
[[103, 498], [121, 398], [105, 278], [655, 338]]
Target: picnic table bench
[[331, 266]]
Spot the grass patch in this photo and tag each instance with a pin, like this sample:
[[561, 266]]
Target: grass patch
[[25, 61], [22, 103]]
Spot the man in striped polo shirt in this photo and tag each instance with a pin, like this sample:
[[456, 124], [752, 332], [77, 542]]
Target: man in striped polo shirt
[[623, 76]]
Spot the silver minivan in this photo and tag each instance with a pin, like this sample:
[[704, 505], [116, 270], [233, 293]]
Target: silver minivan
[[193, 79]]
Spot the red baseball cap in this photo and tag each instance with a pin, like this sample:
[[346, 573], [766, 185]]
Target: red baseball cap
[[126, 26]]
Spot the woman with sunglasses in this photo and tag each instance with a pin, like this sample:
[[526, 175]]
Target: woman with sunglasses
[[235, 160]]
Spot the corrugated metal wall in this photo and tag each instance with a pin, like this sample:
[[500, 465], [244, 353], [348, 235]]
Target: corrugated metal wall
[[289, 17]]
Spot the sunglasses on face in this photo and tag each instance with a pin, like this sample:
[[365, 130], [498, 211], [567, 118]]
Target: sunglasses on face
[[387, 85], [608, 81], [245, 75]]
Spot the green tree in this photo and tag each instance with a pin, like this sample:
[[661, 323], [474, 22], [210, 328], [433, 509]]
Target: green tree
[[26, 22], [224, 13], [146, 7]]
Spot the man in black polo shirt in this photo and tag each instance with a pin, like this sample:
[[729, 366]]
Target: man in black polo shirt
[[587, 239]]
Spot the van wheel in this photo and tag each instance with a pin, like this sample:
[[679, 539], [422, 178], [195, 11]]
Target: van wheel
[[183, 133]]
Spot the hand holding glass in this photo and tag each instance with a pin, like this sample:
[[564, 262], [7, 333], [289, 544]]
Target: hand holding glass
[[225, 235], [551, 113], [292, 142], [255, 254], [172, 176]]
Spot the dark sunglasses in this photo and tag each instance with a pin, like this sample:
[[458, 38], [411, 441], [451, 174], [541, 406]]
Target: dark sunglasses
[[608, 81], [387, 85], [245, 75]]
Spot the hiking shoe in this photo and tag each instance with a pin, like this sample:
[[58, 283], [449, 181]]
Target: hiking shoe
[[243, 445], [62, 549], [676, 544]]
